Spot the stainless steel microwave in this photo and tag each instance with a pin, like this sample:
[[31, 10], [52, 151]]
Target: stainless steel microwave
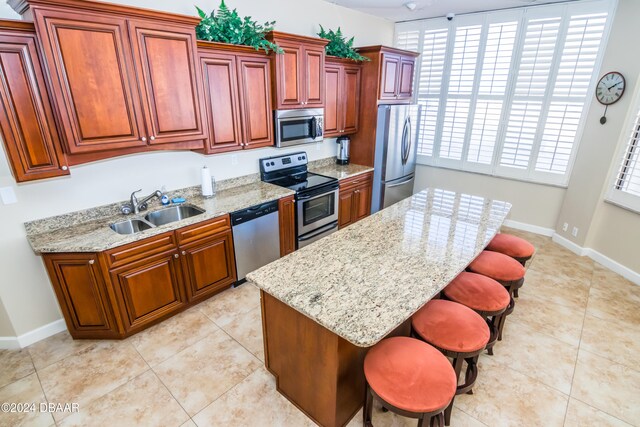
[[302, 126]]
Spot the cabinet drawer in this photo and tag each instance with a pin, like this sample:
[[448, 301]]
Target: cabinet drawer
[[356, 180], [141, 249], [203, 229]]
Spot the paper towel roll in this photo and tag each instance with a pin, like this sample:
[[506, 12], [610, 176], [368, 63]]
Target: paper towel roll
[[207, 188]]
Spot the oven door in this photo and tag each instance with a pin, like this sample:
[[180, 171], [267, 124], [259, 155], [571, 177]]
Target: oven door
[[297, 127], [315, 211]]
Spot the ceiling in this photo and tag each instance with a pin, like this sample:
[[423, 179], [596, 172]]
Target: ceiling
[[395, 10]]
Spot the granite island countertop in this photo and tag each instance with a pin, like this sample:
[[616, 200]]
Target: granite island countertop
[[365, 280], [89, 231]]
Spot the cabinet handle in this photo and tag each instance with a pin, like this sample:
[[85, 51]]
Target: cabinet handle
[[64, 168], [176, 255], [152, 138], [92, 261], [143, 139], [184, 252]]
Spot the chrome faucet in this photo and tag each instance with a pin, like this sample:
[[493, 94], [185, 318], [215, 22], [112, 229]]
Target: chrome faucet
[[135, 205]]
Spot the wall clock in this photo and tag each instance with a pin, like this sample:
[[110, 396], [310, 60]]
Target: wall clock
[[609, 90]]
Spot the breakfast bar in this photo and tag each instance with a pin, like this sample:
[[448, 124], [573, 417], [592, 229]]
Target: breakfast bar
[[324, 305]]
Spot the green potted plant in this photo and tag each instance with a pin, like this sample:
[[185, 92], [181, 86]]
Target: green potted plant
[[226, 26], [339, 46]]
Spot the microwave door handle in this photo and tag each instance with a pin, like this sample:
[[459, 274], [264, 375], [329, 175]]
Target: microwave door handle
[[314, 128]]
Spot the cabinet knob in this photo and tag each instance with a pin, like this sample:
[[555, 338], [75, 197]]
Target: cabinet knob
[[153, 138], [143, 139], [92, 261], [64, 168], [176, 255], [184, 252]]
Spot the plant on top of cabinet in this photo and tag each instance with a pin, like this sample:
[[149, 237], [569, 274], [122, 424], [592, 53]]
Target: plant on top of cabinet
[[339, 46], [226, 26]]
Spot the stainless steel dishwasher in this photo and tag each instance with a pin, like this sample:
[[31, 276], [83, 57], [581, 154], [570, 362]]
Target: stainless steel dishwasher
[[256, 237]]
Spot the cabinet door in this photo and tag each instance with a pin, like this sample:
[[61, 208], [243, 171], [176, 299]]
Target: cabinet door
[[287, 219], [255, 101], [333, 101], [149, 290], [81, 292], [362, 204], [345, 207], [405, 80], [389, 76], [351, 99], [26, 117], [222, 102], [289, 72], [208, 265], [314, 77], [166, 64], [93, 82]]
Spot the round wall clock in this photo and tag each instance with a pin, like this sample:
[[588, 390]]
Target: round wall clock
[[609, 90]]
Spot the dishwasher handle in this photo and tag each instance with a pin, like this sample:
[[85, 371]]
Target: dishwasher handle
[[253, 212]]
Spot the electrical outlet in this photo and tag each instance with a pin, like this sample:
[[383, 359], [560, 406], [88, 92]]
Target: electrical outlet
[[574, 232], [565, 226], [234, 159], [8, 196]]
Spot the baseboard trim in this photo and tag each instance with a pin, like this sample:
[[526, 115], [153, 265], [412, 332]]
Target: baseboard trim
[[529, 227], [24, 340], [614, 266], [566, 243]]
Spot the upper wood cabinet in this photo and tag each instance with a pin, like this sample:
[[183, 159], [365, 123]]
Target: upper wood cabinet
[[237, 86], [298, 72], [26, 117], [121, 77], [342, 97]]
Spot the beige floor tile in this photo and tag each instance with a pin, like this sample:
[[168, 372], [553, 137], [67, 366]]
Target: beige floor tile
[[91, 373], [56, 348], [505, 397], [162, 341], [614, 304], [537, 355], [557, 288], [616, 340], [389, 419], [247, 330], [606, 279], [204, 371], [14, 364], [142, 401], [222, 308], [189, 423], [559, 321], [254, 401], [582, 415], [26, 390], [552, 259], [608, 386]]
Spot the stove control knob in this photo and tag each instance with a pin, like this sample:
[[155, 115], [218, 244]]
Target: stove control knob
[[299, 158], [303, 157]]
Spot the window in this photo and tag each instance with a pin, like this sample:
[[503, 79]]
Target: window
[[625, 188], [504, 93]]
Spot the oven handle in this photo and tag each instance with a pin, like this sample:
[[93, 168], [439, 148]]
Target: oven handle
[[319, 192], [319, 231]]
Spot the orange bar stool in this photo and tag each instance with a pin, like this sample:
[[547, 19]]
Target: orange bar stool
[[513, 246], [483, 295], [458, 332], [504, 270], [411, 378]]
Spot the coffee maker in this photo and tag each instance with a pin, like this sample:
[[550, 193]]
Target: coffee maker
[[342, 157]]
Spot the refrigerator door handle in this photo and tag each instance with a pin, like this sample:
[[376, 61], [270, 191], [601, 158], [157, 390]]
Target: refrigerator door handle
[[406, 159], [402, 142], [400, 183], [406, 137]]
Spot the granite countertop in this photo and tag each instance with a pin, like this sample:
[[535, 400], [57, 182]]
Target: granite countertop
[[88, 230], [329, 167], [365, 280]]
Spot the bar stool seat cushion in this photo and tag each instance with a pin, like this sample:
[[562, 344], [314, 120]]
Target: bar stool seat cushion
[[498, 266], [478, 292], [511, 245], [410, 375], [451, 326]]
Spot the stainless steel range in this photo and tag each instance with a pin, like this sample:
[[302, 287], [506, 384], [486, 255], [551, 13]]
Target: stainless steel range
[[316, 195]]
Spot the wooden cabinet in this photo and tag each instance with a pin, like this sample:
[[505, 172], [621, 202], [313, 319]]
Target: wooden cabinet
[[396, 79], [122, 78], [298, 72], [342, 99], [237, 86], [354, 199], [27, 122], [287, 218]]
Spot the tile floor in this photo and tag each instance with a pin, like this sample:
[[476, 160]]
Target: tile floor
[[570, 356]]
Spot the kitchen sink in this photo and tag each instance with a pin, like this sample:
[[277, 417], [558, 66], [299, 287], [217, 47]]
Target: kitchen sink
[[130, 226], [174, 213]]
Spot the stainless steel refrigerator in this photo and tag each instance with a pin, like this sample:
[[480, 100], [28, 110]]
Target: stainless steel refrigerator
[[395, 155]]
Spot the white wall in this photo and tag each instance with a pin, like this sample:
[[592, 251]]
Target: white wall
[[25, 290]]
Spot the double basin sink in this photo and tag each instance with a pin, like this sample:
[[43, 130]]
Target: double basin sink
[[156, 219]]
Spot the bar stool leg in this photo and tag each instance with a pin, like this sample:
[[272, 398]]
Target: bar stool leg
[[367, 412]]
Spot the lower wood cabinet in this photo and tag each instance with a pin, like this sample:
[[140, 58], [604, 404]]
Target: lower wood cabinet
[[287, 217], [116, 293], [354, 199]]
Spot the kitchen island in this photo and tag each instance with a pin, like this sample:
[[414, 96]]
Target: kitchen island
[[324, 305]]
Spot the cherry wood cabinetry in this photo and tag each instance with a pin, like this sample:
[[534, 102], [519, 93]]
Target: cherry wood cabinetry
[[237, 85], [342, 96], [26, 117], [354, 199], [386, 79], [287, 218], [298, 72]]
